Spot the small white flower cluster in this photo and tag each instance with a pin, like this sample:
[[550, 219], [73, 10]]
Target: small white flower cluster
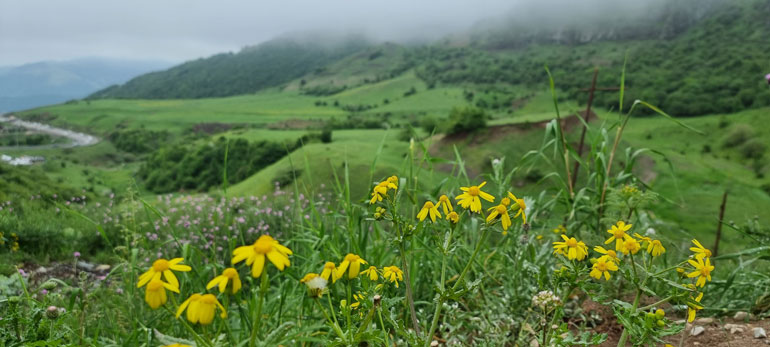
[[545, 299]]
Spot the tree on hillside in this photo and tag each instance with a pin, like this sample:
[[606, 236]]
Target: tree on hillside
[[466, 119]]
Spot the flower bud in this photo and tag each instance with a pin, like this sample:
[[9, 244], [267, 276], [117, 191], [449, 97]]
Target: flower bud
[[52, 312]]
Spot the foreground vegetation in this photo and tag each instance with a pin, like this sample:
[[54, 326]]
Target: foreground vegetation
[[450, 259]]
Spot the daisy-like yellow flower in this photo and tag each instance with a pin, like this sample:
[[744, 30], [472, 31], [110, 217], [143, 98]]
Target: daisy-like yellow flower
[[608, 252], [453, 217], [163, 266], [470, 197], [618, 233], [571, 248], [643, 239], [699, 250], [264, 247], [230, 275], [393, 182], [702, 270], [446, 204], [201, 308], [155, 293], [630, 245], [655, 248], [502, 211], [351, 264], [330, 271], [694, 307], [520, 205], [377, 193], [372, 273], [393, 274], [603, 265], [561, 229], [428, 209]]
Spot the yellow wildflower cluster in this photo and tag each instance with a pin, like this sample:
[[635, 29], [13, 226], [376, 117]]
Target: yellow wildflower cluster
[[350, 268], [382, 188], [702, 271], [624, 244], [201, 308], [471, 199]]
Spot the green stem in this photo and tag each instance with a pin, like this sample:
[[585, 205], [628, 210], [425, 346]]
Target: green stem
[[382, 325], [192, 332], [334, 324], [624, 336], [656, 304], [331, 308], [442, 285], [258, 318], [470, 262], [407, 279]]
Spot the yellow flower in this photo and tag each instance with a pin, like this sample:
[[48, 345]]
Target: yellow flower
[[358, 297], [377, 194], [330, 270], [520, 205], [560, 229], [255, 254], [470, 197], [230, 275], [702, 270], [699, 250], [393, 274], [643, 239], [201, 308], [571, 248], [163, 266], [603, 265], [630, 245], [351, 264], [393, 182], [655, 248], [502, 211], [608, 252], [155, 293], [453, 217], [445, 203], [693, 307], [618, 232], [428, 209], [372, 273]]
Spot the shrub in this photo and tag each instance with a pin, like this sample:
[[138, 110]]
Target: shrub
[[466, 119], [753, 149], [738, 136]]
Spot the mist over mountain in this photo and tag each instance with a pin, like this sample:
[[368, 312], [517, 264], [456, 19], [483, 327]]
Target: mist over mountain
[[49, 82]]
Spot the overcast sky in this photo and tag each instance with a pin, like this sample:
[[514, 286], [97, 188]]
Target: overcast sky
[[178, 30]]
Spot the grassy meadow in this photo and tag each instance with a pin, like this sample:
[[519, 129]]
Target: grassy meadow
[[344, 232]]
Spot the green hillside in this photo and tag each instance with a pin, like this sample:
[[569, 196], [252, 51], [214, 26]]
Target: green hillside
[[253, 68], [687, 62]]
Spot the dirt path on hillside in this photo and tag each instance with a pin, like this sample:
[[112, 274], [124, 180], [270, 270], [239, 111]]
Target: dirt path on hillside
[[77, 139]]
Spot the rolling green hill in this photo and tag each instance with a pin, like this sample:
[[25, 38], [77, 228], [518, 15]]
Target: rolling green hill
[[688, 62], [253, 68]]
